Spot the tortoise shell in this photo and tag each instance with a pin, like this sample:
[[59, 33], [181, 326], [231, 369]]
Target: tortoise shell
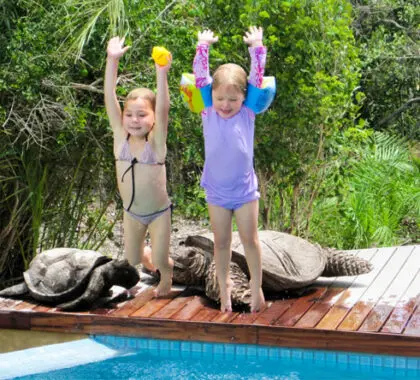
[[288, 262], [61, 274]]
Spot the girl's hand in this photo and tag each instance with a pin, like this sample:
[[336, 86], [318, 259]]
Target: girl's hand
[[164, 69], [207, 37], [115, 47], [254, 36]]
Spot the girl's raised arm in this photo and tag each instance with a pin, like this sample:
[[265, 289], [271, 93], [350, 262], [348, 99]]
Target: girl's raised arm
[[160, 129], [115, 50], [201, 60], [258, 53]]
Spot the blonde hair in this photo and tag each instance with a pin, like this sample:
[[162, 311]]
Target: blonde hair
[[232, 74], [143, 93]]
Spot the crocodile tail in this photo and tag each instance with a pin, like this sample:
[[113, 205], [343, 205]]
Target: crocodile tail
[[340, 263]]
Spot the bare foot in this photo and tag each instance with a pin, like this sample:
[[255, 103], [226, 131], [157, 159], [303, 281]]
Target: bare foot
[[225, 297], [164, 287], [257, 300], [165, 283]]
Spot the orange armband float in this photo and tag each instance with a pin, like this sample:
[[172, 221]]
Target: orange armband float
[[160, 55]]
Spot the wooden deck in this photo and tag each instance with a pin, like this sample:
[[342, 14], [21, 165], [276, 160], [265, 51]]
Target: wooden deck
[[377, 312]]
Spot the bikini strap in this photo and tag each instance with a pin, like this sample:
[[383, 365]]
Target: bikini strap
[[131, 167]]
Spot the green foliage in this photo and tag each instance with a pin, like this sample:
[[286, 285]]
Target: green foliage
[[388, 34], [57, 177], [377, 199]]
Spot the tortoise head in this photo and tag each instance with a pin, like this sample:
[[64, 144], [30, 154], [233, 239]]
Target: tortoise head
[[124, 274]]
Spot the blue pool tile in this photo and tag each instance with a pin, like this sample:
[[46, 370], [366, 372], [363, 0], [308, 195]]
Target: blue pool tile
[[219, 349], [196, 347], [273, 353], [241, 350], [164, 345], [230, 351], [413, 363], [365, 360], [389, 362], [262, 353], [251, 351], [319, 356], [354, 359], [208, 349], [330, 357], [308, 355], [342, 358], [175, 345], [142, 343], [400, 363], [153, 344], [377, 361]]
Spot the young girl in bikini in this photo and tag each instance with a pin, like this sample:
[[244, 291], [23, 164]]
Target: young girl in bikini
[[140, 132]]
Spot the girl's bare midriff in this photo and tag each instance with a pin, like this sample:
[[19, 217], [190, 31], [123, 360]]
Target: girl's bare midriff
[[150, 187]]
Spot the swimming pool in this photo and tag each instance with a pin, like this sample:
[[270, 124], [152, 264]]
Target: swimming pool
[[112, 357]]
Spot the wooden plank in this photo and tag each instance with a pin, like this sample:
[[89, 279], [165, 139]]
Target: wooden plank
[[219, 332], [151, 328], [299, 307], [413, 326], [155, 304], [8, 303], [23, 305], [353, 341], [176, 304], [273, 311], [14, 320], [375, 290], [191, 308], [246, 318], [225, 317], [324, 303], [143, 296], [348, 298], [43, 308], [320, 308], [206, 314], [382, 310], [404, 309]]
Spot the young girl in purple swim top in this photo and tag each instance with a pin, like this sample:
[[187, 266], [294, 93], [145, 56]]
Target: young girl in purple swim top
[[140, 132], [229, 178]]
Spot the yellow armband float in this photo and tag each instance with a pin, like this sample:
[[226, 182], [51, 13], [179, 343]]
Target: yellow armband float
[[258, 99], [190, 93]]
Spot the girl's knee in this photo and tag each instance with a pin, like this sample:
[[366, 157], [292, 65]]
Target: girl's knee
[[250, 242]]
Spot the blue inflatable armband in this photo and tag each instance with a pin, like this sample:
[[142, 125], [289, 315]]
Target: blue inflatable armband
[[206, 95], [259, 99]]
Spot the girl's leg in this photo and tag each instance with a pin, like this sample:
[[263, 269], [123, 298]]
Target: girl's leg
[[134, 235], [160, 234], [221, 225], [247, 222]]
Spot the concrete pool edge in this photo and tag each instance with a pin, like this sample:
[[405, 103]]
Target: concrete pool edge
[[52, 357]]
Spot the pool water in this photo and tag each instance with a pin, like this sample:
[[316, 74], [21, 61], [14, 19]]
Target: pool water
[[108, 357]]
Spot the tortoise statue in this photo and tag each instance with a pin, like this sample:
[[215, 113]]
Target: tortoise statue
[[70, 278], [288, 262]]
